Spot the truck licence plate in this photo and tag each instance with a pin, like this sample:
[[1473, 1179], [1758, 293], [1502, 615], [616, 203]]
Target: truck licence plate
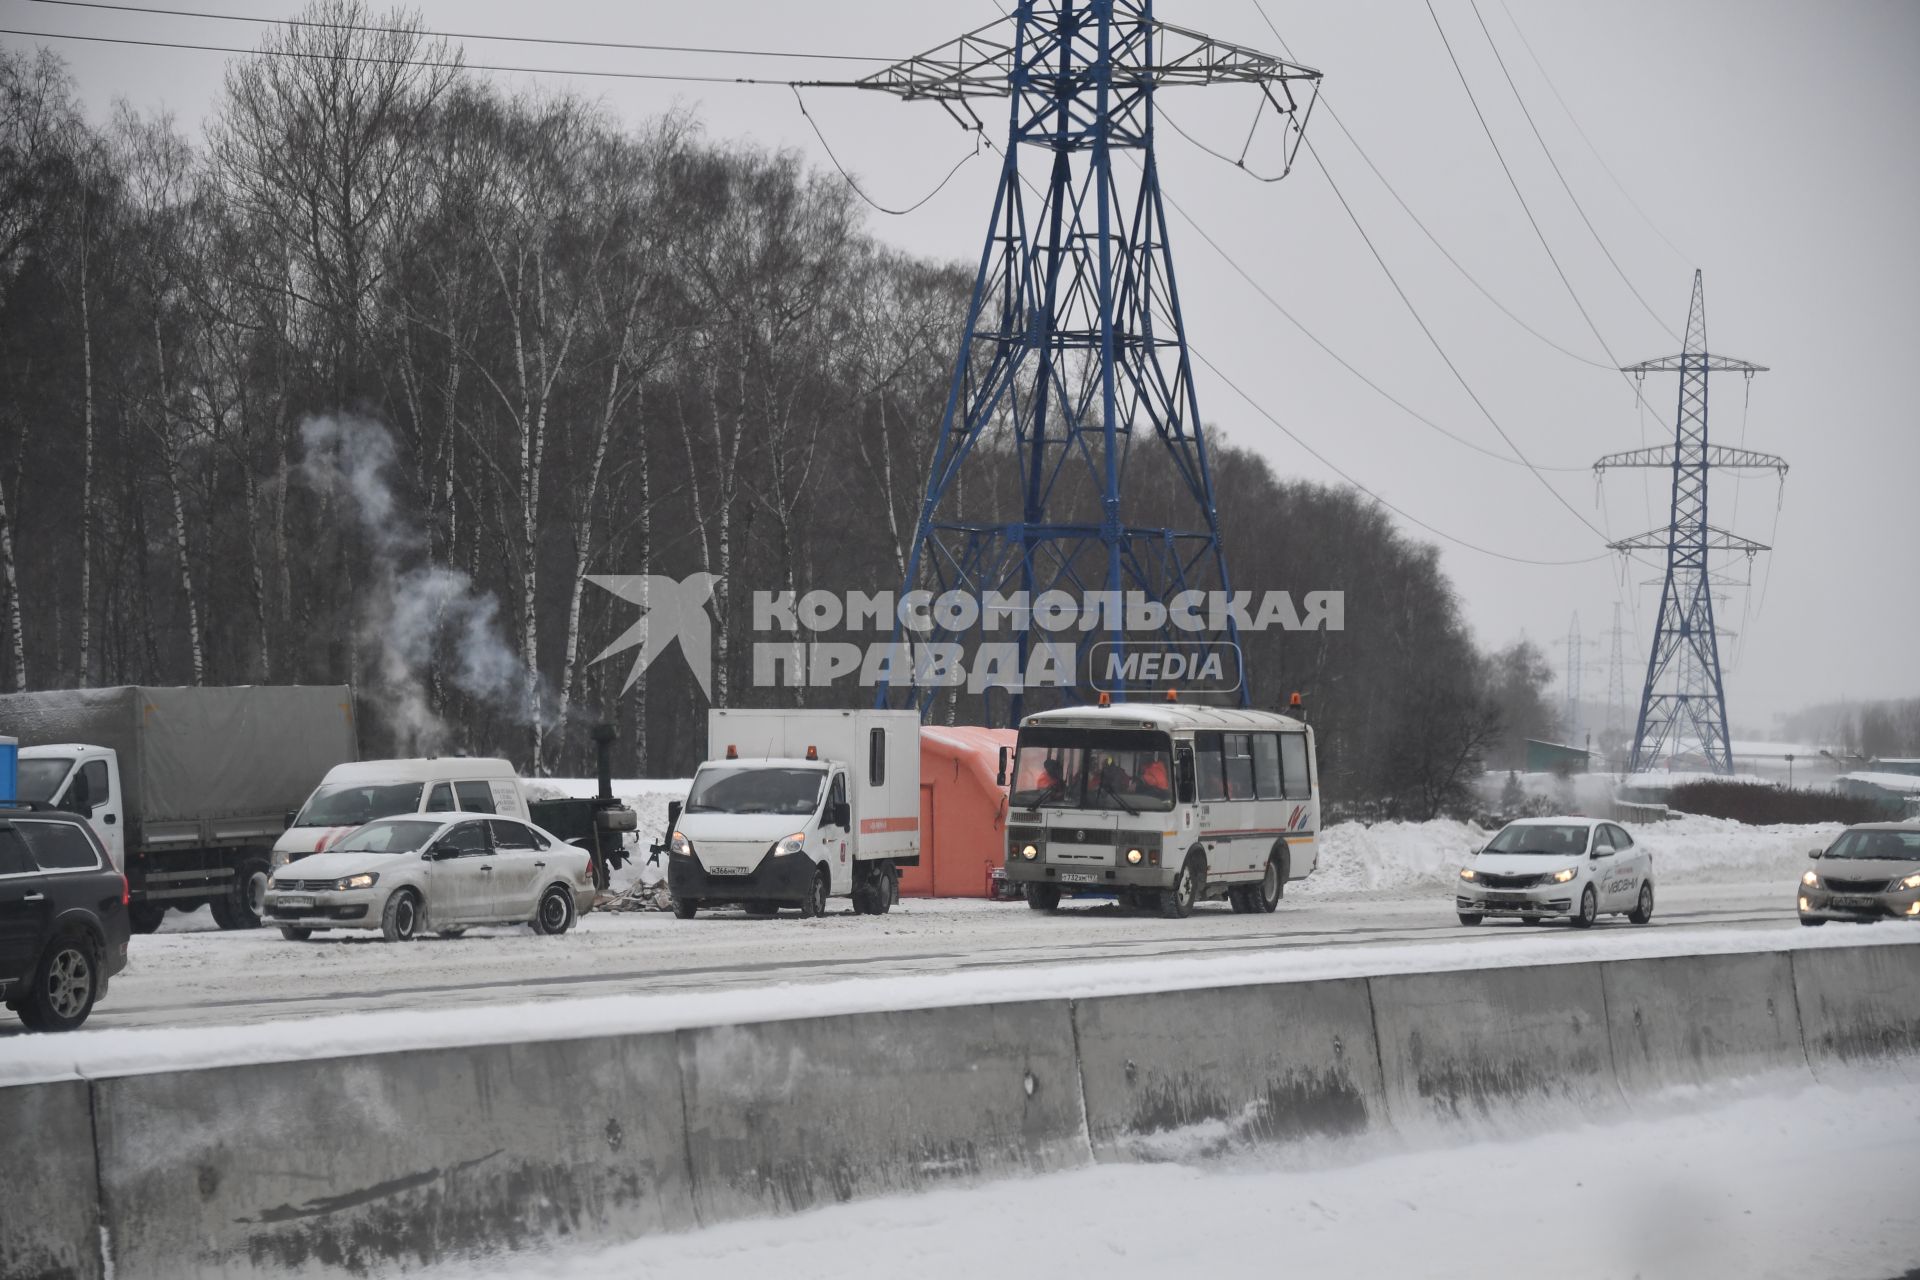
[[286, 900], [1077, 877]]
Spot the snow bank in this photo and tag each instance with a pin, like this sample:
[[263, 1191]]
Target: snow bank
[[1399, 857], [1725, 1191]]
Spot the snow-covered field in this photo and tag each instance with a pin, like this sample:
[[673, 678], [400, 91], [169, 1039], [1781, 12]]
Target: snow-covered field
[[1817, 1183]]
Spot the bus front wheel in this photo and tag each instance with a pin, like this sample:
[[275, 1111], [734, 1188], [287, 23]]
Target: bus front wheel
[[1176, 901]]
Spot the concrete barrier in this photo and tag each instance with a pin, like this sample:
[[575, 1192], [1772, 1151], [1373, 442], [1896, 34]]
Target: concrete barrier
[[783, 1116], [49, 1201], [1697, 1020], [1860, 1008], [381, 1161], [1514, 1049], [1172, 1073], [356, 1163]]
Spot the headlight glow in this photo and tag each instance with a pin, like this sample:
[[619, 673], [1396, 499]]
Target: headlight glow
[[792, 844], [365, 880], [1134, 857], [1466, 873], [1911, 882], [1811, 880], [1029, 852], [1564, 875], [680, 844]]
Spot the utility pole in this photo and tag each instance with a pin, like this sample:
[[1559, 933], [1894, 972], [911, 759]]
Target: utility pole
[[1616, 677], [1683, 697], [1576, 658], [1073, 368]]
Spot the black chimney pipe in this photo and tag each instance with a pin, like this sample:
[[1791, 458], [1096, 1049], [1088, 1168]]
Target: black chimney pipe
[[604, 736]]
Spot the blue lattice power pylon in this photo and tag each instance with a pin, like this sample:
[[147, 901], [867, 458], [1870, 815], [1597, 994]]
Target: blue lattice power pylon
[[1073, 378], [1684, 699]]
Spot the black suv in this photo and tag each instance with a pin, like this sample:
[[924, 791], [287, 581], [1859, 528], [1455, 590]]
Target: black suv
[[63, 918]]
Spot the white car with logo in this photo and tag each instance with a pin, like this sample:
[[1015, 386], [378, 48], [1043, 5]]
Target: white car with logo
[[434, 873], [1541, 868]]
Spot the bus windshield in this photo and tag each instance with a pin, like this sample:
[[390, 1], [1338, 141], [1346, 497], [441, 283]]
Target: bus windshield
[[1130, 770]]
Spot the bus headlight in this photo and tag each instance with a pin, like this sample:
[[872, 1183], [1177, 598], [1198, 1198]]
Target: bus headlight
[[1029, 852], [1135, 857]]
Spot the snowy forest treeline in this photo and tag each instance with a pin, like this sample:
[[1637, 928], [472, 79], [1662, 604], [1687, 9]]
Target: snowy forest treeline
[[362, 381]]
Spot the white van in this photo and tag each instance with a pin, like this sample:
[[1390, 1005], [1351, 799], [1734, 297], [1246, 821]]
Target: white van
[[793, 807], [1162, 805], [353, 794]]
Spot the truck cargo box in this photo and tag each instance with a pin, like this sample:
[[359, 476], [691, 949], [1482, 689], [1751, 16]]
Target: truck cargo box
[[220, 762]]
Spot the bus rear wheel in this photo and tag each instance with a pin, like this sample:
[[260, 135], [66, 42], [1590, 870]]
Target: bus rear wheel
[[1043, 897]]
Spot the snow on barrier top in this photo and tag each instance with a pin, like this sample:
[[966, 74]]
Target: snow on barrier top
[[124, 1052]]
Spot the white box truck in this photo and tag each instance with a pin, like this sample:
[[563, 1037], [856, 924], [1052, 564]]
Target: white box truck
[[797, 806]]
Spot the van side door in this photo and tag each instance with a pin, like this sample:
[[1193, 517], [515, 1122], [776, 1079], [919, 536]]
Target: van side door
[[835, 840]]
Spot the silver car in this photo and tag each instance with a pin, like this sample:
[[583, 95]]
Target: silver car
[[1872, 872]]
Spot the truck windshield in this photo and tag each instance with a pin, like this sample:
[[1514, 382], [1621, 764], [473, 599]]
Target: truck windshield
[[1564, 839], [40, 778], [748, 789], [388, 837], [348, 804], [1125, 769]]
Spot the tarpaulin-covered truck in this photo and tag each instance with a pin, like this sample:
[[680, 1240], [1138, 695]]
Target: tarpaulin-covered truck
[[187, 787]]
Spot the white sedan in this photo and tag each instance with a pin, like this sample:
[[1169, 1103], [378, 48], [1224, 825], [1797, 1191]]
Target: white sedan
[[443, 873], [1538, 868]]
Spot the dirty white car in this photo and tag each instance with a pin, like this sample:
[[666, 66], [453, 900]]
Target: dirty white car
[[439, 873], [1542, 868]]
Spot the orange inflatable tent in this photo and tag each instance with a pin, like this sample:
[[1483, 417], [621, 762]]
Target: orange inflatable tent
[[963, 813]]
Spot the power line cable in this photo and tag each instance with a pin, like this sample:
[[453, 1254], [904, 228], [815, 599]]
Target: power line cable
[[460, 35], [854, 183], [1555, 164], [1575, 122], [443, 64], [1326, 106]]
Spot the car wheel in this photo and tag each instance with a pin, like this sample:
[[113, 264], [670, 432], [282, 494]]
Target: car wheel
[[815, 903], [684, 908], [1043, 897], [1266, 895], [402, 920], [1176, 901], [294, 933], [65, 985], [1471, 918], [1643, 911], [1810, 922], [145, 917], [1589, 910], [555, 913]]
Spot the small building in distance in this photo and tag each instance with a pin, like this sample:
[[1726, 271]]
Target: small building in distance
[[1556, 757]]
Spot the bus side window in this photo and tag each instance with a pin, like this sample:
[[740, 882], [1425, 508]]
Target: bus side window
[[1266, 766], [1239, 753], [1293, 761], [1210, 767]]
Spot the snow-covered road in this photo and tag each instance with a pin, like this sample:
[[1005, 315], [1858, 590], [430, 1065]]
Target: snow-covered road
[[191, 974]]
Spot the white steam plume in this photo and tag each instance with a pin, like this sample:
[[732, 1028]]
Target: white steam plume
[[412, 614]]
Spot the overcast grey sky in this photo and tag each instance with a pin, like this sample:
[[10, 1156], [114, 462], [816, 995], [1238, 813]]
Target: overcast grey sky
[[1773, 143]]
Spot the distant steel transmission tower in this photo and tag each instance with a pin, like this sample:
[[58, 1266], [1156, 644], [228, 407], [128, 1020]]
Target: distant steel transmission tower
[[1684, 696], [1576, 658], [1616, 677]]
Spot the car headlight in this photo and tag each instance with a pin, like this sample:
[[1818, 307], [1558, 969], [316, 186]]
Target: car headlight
[[1135, 857], [1911, 882], [680, 844], [1564, 875], [1467, 873], [790, 844], [365, 880], [1812, 880], [1029, 852]]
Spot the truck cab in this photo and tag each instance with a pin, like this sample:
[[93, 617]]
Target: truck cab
[[82, 780], [796, 807]]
